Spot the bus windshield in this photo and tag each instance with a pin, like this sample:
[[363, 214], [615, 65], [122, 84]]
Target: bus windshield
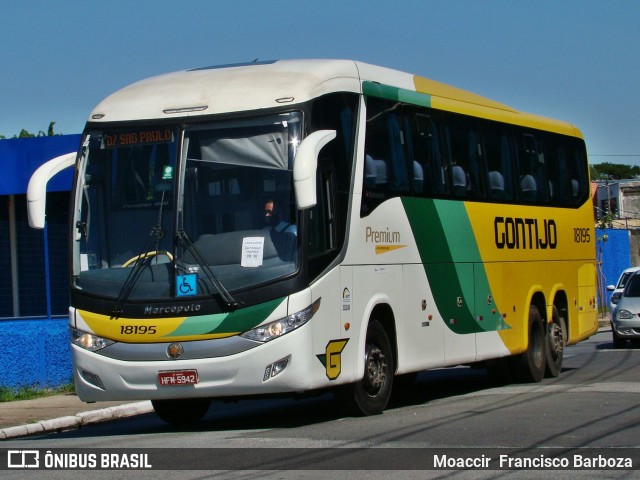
[[156, 221]]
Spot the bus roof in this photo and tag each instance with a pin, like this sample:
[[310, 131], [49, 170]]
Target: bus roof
[[269, 84]]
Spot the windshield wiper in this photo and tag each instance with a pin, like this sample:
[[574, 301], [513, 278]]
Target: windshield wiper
[[142, 260], [145, 256], [185, 241]]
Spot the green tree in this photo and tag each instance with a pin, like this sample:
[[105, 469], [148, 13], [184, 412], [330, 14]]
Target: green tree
[[612, 171], [26, 134]]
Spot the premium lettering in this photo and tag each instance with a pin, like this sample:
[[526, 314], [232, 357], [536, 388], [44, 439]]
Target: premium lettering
[[525, 233], [386, 236]]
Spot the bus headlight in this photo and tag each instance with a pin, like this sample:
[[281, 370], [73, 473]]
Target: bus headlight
[[89, 341], [277, 328]]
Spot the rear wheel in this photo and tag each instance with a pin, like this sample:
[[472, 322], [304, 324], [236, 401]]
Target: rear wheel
[[370, 395], [181, 412], [530, 365], [554, 344]]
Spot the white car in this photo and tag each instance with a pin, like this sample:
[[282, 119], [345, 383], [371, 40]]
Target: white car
[[625, 319], [618, 288]]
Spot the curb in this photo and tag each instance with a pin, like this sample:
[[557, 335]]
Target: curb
[[77, 421]]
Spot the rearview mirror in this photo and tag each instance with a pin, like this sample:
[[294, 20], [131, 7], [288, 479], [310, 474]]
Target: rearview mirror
[[37, 189], [305, 166]]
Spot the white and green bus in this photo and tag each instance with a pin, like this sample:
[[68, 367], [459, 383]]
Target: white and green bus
[[297, 226]]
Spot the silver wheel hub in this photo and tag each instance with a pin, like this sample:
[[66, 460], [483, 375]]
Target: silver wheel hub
[[375, 369], [555, 339]]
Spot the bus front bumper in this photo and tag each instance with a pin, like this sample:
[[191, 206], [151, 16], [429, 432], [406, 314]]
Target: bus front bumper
[[283, 365]]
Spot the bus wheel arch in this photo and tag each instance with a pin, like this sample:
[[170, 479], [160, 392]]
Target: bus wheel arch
[[370, 395]]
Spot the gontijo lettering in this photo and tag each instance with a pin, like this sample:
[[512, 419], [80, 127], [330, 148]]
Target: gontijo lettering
[[525, 233]]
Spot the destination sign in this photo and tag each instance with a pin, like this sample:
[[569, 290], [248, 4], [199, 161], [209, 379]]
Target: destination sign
[[138, 137]]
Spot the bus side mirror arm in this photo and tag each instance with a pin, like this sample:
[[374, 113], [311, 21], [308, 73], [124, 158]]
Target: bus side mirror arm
[[37, 189], [305, 166]]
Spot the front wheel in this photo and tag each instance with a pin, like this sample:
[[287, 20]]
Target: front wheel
[[181, 412], [370, 395]]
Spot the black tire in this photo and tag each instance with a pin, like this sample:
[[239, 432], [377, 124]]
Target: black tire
[[530, 365], [618, 342], [370, 395], [555, 342], [181, 412]]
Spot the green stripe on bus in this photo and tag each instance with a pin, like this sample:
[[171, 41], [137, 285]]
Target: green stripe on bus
[[395, 94], [453, 264], [240, 320]]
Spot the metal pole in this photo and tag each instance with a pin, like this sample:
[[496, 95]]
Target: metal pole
[[13, 253], [46, 269]]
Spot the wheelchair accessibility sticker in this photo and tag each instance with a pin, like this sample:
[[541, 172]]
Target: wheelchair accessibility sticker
[[186, 285]]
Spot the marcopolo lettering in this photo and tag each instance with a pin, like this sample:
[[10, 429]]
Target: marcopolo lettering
[[175, 309], [525, 233]]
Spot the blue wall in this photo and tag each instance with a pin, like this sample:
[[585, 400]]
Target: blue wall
[[20, 157], [614, 251], [35, 353]]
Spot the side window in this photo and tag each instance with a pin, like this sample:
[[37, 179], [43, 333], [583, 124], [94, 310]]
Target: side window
[[425, 159], [385, 162], [564, 181], [555, 154], [551, 169], [532, 177], [412, 150], [386, 167], [576, 171], [462, 153], [496, 150]]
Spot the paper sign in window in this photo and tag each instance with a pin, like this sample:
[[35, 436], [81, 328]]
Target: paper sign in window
[[252, 251]]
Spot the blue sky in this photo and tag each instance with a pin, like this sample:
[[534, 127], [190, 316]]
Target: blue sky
[[575, 60]]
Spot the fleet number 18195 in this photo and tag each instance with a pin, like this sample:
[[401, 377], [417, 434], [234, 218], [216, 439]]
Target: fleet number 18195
[[581, 235]]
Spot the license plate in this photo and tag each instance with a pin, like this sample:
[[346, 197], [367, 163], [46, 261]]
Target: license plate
[[172, 378]]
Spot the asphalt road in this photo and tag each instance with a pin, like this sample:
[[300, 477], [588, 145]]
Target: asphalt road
[[593, 406]]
